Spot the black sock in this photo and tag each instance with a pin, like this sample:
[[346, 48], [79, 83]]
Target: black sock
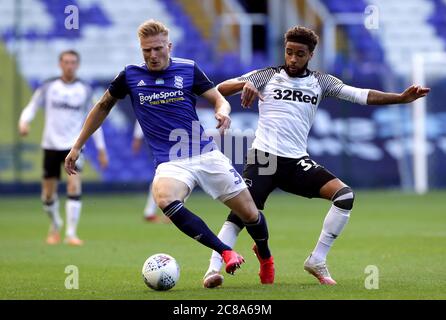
[[232, 217], [193, 226], [259, 233]]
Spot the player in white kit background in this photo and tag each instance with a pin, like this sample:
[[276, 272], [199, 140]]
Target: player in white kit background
[[66, 101], [288, 99]]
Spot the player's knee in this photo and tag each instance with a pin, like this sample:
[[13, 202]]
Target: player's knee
[[247, 212], [162, 203], [344, 198], [73, 188], [163, 200], [48, 197], [167, 190]]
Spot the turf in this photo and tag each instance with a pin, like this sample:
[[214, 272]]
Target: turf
[[403, 235]]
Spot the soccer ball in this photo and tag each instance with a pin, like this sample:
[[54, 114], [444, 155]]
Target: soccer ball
[[160, 272]]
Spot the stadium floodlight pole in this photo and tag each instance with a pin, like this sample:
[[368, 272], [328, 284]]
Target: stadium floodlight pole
[[419, 131]]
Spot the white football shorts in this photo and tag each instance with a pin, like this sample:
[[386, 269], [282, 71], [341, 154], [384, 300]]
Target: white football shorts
[[212, 171]]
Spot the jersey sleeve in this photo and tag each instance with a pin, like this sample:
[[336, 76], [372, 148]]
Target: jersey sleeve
[[118, 88], [90, 95], [201, 82], [333, 87], [37, 101], [259, 78], [98, 138], [355, 95], [89, 100], [137, 131]]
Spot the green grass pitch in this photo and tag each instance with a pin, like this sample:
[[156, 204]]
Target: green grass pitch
[[403, 235]]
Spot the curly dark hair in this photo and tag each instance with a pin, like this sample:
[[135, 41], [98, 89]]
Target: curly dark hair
[[302, 35]]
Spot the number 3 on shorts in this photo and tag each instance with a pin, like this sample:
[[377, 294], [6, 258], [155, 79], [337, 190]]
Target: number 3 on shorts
[[237, 175]]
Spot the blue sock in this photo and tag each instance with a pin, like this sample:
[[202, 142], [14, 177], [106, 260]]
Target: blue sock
[[193, 226], [259, 233]]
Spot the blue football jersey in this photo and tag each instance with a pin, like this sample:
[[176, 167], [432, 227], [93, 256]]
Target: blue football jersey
[[164, 105]]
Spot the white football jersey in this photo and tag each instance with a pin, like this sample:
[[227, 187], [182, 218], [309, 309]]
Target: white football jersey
[[66, 106], [289, 106]]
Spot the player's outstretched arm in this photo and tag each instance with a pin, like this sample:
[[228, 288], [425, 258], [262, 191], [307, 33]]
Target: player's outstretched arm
[[230, 87], [410, 94], [30, 111], [222, 108], [94, 120], [248, 90]]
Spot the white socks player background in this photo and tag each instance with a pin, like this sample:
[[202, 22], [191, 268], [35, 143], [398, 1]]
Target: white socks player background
[[228, 235], [334, 223], [53, 212], [151, 207], [73, 211]]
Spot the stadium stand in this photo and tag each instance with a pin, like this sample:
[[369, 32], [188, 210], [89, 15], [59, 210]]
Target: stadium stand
[[438, 17], [400, 25], [107, 41]]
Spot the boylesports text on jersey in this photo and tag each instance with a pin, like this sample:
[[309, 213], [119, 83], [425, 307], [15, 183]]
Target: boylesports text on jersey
[[293, 95], [161, 97]]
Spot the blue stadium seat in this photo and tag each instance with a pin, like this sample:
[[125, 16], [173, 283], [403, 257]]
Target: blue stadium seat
[[363, 66], [438, 18]]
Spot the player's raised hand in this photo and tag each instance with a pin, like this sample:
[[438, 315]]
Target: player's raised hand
[[413, 93], [249, 94], [70, 161], [224, 122], [23, 129]]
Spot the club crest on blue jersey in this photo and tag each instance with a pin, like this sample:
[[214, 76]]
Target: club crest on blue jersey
[[178, 82]]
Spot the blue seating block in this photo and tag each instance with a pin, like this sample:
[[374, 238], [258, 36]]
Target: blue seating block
[[438, 18]]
